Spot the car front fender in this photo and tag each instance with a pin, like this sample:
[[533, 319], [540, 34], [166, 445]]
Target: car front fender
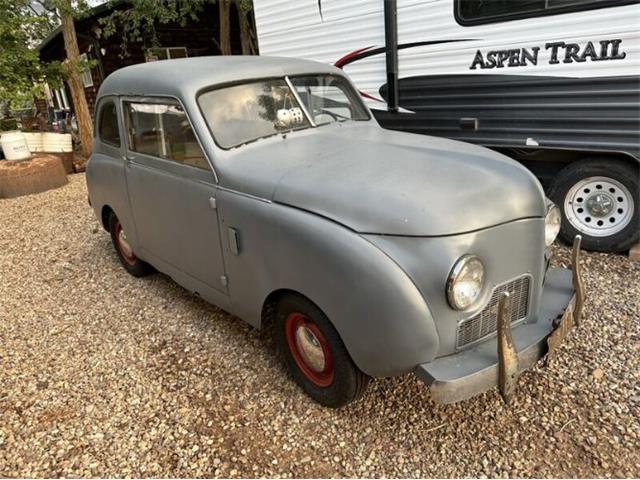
[[379, 313]]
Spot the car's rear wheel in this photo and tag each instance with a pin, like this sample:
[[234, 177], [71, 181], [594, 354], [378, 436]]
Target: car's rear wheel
[[131, 263], [315, 354], [599, 200]]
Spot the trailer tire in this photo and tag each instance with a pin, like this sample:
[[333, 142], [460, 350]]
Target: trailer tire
[[599, 199]]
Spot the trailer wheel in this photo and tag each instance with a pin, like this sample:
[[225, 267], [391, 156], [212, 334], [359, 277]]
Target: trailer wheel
[[599, 200]]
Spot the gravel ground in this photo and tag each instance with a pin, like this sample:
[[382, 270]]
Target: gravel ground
[[103, 374]]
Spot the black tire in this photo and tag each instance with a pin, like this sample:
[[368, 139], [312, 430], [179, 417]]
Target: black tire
[[131, 263], [623, 173], [340, 385]]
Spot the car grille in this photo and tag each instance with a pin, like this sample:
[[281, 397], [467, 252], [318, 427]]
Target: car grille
[[486, 322]]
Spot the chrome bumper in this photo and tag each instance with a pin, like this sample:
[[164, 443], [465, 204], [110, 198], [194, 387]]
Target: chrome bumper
[[499, 361]]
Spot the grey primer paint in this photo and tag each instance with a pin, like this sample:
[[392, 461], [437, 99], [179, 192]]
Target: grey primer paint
[[365, 222], [597, 114]]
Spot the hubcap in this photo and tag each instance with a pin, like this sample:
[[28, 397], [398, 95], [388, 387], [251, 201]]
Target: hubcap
[[310, 348], [599, 206], [124, 245]]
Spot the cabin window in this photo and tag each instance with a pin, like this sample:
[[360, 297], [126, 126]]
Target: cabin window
[[329, 99], [476, 12], [108, 124], [87, 78], [163, 130], [161, 53], [243, 113]]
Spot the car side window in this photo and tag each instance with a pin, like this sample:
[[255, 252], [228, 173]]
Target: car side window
[[163, 130], [108, 124]]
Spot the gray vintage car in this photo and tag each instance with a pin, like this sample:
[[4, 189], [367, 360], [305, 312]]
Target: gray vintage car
[[265, 186]]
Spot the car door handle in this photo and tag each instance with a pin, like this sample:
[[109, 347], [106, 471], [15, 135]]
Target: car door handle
[[234, 241]]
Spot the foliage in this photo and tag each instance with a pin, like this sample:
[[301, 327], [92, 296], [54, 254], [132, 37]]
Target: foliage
[[137, 23], [20, 30], [8, 124], [244, 6], [75, 8], [23, 25]]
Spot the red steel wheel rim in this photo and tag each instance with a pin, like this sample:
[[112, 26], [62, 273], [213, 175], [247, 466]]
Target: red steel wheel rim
[[300, 330], [130, 259]]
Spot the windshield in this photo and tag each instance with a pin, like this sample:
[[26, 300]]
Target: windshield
[[243, 113], [328, 99]]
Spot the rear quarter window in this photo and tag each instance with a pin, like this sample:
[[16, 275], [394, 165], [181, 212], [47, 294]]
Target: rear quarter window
[[108, 130]]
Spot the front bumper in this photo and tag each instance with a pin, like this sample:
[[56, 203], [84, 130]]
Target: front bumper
[[498, 361]]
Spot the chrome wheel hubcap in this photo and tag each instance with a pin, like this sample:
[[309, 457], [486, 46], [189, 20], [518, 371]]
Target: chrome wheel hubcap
[[599, 206], [310, 349], [124, 245]]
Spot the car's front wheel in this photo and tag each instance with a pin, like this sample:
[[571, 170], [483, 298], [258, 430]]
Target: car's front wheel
[[599, 200], [315, 354], [130, 262]]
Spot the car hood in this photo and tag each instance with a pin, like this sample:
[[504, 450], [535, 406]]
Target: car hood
[[380, 181]]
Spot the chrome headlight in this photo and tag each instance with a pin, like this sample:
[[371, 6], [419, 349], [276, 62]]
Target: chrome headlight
[[465, 282], [551, 224]]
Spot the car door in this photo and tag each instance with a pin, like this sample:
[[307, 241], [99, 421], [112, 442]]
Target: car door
[[172, 191], [106, 178]]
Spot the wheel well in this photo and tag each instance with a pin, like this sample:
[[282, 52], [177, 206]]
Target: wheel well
[[631, 162], [547, 163], [104, 216], [269, 305]]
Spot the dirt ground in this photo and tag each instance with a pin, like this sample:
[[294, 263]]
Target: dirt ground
[[103, 374]]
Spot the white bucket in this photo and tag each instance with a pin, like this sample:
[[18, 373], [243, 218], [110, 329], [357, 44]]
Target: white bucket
[[57, 142], [35, 141], [14, 146]]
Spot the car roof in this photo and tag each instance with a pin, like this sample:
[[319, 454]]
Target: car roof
[[186, 76]]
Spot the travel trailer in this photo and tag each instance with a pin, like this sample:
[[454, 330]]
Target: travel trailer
[[551, 83]]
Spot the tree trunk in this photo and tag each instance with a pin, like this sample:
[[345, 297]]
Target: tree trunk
[[246, 38], [74, 79], [225, 30]]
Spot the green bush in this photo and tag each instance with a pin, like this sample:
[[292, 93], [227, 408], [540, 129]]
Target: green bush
[[8, 124]]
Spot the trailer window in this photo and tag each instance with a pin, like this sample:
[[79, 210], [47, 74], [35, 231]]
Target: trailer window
[[477, 12]]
